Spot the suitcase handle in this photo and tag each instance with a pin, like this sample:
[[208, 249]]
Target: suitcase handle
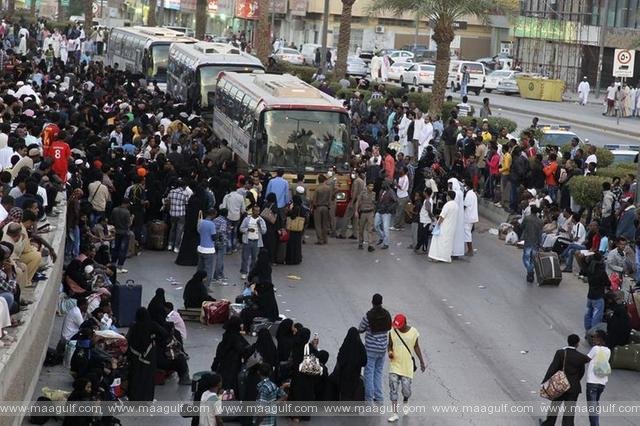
[[129, 282]]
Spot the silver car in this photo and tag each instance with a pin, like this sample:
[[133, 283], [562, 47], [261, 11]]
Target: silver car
[[356, 67]]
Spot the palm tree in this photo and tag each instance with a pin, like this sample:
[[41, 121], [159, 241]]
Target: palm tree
[[151, 13], [33, 8], [263, 35], [201, 18], [344, 38], [88, 17], [442, 14]]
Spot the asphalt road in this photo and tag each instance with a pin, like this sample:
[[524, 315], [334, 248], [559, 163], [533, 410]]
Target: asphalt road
[[488, 336]]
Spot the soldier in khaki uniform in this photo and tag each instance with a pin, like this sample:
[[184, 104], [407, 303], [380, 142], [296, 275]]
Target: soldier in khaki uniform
[[364, 211], [321, 201]]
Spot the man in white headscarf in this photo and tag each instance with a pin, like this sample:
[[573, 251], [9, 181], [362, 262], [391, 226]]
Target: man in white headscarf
[[470, 217], [442, 242], [458, 241]]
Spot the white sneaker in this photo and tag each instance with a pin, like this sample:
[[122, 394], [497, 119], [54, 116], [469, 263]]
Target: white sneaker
[[243, 276], [393, 418], [176, 250], [122, 270], [169, 248]]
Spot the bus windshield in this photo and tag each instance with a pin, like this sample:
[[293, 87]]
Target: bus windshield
[[306, 140], [160, 59]]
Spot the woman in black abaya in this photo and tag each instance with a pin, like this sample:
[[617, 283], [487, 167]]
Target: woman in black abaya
[[270, 238], [230, 354], [303, 386], [195, 291], [294, 245], [142, 338], [188, 255], [157, 307], [268, 353], [285, 339], [352, 357]]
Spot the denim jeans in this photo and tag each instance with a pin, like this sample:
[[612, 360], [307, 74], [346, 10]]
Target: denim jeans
[[568, 253], [637, 263], [249, 255], [8, 296], [553, 192], [120, 249], [527, 258], [382, 223], [373, 376], [232, 235], [515, 197], [207, 263], [463, 90], [594, 313], [594, 390], [219, 271], [72, 247], [177, 229]]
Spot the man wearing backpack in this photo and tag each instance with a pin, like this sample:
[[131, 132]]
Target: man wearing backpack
[[598, 372]]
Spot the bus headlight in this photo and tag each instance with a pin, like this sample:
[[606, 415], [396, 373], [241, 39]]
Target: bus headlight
[[341, 196]]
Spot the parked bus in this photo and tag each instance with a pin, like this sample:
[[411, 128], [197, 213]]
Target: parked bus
[[193, 69], [278, 121], [143, 50]]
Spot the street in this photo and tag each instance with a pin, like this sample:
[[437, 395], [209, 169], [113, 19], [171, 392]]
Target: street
[[488, 336]]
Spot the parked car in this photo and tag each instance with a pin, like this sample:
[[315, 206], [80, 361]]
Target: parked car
[[401, 55], [557, 135], [396, 69], [509, 85], [419, 74], [366, 56], [356, 67], [476, 71], [624, 153], [287, 54], [494, 78]]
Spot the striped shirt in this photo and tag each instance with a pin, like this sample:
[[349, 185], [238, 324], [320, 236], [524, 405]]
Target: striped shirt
[[377, 343]]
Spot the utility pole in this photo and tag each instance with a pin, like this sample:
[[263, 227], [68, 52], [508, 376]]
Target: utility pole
[[415, 37], [325, 29], [604, 26], [273, 18]]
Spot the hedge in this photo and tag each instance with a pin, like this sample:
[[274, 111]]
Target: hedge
[[617, 170], [587, 190], [605, 157]]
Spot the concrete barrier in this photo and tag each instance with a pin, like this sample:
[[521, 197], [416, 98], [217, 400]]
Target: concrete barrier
[[21, 363], [491, 212]]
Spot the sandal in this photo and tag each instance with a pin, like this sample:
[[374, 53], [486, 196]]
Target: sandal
[[25, 302], [16, 323]]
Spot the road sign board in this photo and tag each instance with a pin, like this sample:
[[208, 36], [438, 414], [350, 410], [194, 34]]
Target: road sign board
[[623, 62]]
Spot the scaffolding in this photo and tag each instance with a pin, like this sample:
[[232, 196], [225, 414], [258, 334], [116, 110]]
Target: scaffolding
[[550, 38]]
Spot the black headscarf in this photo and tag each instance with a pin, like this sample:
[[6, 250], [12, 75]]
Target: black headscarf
[[157, 309], [139, 335], [266, 300], [261, 271], [195, 292], [299, 341], [285, 338], [265, 346], [352, 355]]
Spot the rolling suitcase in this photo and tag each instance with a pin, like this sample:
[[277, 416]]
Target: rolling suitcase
[[126, 299], [157, 235], [547, 266]]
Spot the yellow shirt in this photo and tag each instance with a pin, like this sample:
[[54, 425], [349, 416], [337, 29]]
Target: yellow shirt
[[506, 164], [401, 363]]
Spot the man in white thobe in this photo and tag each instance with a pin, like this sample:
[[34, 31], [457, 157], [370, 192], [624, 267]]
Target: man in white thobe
[[583, 90], [470, 217], [458, 241], [384, 69], [402, 132], [376, 63], [442, 242], [425, 136]]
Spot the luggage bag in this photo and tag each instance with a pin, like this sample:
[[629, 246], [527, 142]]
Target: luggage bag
[[547, 267], [126, 300]]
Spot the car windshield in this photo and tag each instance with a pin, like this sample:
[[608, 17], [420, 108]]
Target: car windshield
[[473, 68], [427, 68], [160, 59], [289, 51], [557, 139], [306, 140], [500, 74]]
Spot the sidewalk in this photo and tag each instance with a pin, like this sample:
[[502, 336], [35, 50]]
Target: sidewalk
[[568, 112]]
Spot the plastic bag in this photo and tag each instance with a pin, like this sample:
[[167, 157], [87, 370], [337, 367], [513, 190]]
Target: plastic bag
[[511, 238]]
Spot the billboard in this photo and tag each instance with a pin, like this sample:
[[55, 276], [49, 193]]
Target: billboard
[[247, 9], [545, 29]]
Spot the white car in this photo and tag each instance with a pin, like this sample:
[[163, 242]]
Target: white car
[[401, 55], [419, 75], [396, 69], [623, 153], [287, 54], [494, 79]]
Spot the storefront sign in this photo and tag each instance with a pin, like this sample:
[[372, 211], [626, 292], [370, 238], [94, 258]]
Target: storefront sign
[[564, 31], [247, 9], [298, 7]]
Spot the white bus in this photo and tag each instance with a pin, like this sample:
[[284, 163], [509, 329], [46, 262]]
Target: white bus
[[143, 50], [193, 69], [279, 121]]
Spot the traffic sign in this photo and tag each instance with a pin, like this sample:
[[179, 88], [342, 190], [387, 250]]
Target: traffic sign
[[623, 62]]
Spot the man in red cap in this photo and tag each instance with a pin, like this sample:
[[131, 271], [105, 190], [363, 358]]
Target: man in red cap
[[403, 342]]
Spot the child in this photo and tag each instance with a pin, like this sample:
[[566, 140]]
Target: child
[[212, 383], [267, 392]]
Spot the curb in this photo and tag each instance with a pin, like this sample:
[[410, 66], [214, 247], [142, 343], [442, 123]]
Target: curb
[[584, 123], [495, 215]]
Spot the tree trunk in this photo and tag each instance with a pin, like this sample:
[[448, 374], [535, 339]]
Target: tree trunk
[[88, 17], [344, 39], [151, 13], [11, 7], [443, 35], [201, 18], [263, 34], [33, 8]]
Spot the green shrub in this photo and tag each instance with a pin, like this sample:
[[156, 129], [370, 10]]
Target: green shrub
[[375, 104], [587, 190], [395, 91], [616, 170], [605, 157], [500, 122], [447, 107], [422, 100], [631, 167], [348, 93]]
